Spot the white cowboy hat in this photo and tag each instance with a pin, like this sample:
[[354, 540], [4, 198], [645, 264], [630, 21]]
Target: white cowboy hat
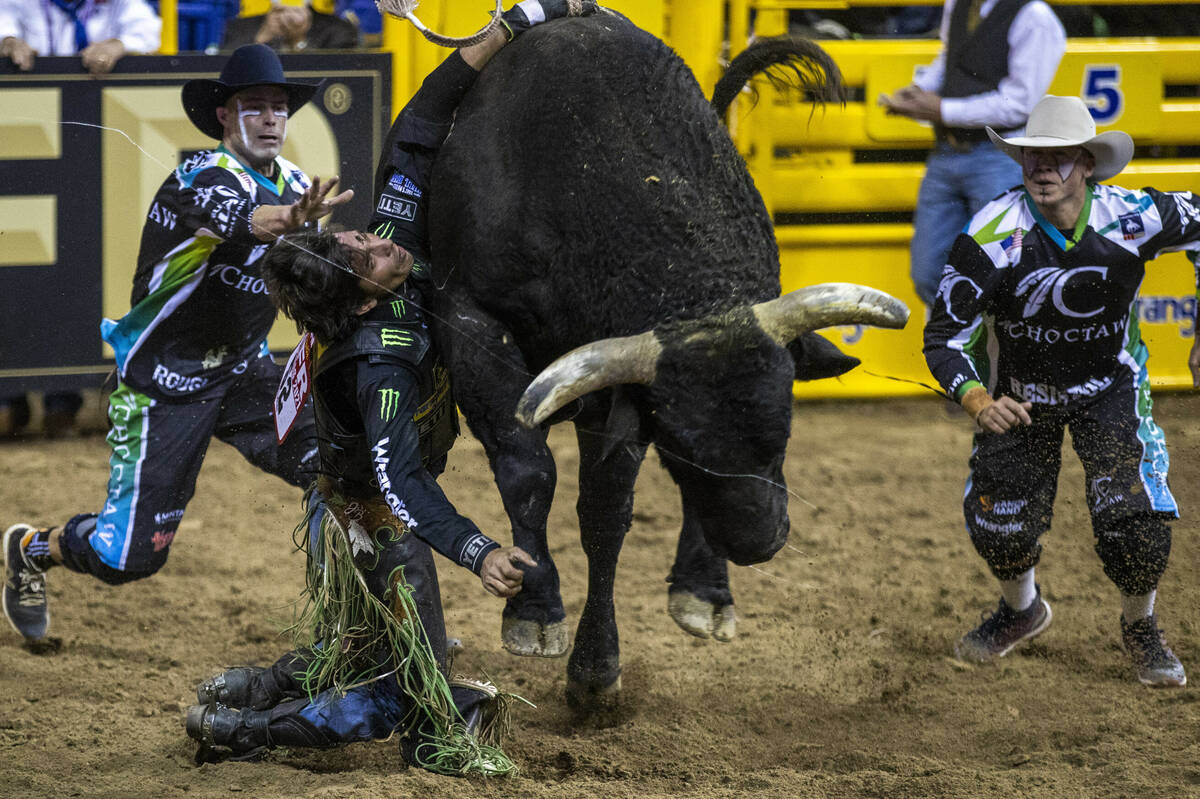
[[1066, 122]]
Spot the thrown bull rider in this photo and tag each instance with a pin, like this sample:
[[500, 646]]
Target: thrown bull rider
[[371, 650]]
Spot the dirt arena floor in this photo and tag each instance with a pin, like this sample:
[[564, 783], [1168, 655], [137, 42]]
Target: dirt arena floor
[[839, 684]]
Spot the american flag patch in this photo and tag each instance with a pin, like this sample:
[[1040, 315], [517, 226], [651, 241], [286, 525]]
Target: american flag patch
[[1012, 244]]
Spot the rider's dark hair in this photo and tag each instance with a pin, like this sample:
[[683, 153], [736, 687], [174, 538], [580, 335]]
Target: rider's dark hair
[[311, 278]]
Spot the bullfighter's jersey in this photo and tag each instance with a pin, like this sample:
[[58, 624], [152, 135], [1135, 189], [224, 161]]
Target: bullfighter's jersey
[[385, 418], [200, 308], [1045, 316]]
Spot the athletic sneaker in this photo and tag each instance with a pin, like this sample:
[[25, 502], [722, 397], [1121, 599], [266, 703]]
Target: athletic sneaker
[[24, 587], [1003, 630], [1156, 664]]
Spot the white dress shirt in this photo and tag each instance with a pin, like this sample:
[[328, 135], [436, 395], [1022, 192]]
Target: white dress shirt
[[1036, 43], [50, 31]]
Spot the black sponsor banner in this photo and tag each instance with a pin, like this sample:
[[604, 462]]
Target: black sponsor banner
[[80, 160]]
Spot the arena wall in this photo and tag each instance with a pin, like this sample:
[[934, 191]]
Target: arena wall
[[841, 182]]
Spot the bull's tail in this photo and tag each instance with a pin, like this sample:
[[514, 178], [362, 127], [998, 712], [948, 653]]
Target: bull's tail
[[789, 63]]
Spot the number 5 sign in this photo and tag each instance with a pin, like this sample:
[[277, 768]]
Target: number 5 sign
[[1102, 93], [1121, 85]]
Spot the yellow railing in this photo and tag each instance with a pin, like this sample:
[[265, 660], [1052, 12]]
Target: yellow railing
[[805, 162]]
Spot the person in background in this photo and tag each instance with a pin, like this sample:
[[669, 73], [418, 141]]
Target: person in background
[[59, 411], [100, 32], [291, 25], [998, 58]]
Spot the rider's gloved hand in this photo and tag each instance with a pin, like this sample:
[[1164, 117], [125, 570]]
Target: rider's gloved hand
[[526, 14]]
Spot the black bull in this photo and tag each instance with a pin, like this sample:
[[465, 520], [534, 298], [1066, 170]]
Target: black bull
[[589, 195]]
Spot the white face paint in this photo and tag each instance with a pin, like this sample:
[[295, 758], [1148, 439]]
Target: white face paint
[[1056, 179], [1062, 160], [255, 124], [258, 110]]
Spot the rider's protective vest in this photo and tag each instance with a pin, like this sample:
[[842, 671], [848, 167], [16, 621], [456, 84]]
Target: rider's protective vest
[[404, 341]]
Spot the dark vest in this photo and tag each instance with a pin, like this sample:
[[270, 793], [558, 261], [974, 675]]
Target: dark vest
[[345, 452], [977, 62]]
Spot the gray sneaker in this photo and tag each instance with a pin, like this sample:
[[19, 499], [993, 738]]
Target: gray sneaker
[[1156, 664], [24, 588], [999, 632]]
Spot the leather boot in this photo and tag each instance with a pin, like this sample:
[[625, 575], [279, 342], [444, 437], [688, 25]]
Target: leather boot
[[228, 734]]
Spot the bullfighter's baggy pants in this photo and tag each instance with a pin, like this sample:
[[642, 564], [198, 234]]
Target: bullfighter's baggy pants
[[157, 450], [1010, 492]]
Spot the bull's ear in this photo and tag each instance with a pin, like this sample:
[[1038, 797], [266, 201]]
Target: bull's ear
[[817, 357], [624, 423]]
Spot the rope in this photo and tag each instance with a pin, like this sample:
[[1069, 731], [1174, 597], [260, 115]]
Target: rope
[[403, 9], [344, 624]]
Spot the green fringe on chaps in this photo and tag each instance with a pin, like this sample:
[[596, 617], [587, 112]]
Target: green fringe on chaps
[[346, 627]]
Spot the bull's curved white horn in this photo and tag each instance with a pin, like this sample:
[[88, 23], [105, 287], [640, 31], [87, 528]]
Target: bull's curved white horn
[[404, 9], [826, 305], [604, 363]]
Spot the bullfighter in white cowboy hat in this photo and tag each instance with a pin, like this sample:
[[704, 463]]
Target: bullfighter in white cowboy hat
[[1035, 330]]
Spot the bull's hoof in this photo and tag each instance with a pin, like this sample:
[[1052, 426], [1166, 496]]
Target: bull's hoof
[[702, 618], [533, 639], [593, 700]]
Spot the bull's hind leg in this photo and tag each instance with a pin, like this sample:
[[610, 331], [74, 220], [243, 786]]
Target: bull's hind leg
[[489, 376], [699, 599], [605, 510]]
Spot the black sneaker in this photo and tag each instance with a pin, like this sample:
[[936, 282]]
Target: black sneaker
[[1156, 664], [1003, 630], [24, 587]]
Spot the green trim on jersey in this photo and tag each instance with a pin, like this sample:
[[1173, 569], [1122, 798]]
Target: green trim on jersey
[[181, 267], [232, 163], [988, 233], [976, 349], [967, 386], [1133, 335], [1055, 235]]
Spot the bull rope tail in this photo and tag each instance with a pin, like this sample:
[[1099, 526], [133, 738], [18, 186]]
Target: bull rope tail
[[403, 9], [342, 624]]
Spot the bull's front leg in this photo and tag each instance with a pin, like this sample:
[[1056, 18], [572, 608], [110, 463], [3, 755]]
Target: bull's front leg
[[534, 622], [489, 376], [605, 510], [699, 599]]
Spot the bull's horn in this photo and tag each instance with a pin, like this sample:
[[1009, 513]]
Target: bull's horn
[[604, 363], [826, 305], [404, 9]]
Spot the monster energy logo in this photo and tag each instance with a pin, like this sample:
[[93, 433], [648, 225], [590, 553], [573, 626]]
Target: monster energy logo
[[389, 403], [395, 338], [384, 229], [398, 308]]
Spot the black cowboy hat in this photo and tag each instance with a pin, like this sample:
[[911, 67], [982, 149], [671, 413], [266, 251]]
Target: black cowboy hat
[[249, 65]]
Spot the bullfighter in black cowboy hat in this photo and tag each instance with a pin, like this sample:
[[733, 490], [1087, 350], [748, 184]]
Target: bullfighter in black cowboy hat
[[191, 353]]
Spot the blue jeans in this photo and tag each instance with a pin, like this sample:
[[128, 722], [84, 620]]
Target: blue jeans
[[956, 185]]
